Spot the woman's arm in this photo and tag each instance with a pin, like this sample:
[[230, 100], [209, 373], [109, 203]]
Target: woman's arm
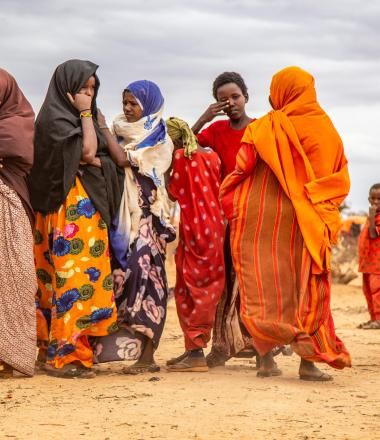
[[118, 155], [82, 102]]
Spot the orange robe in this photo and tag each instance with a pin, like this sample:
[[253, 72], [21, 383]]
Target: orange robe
[[291, 169]]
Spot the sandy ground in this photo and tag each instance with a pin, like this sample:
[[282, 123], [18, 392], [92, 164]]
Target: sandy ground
[[226, 403]]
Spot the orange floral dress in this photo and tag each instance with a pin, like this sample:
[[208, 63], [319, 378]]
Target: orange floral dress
[[75, 287]]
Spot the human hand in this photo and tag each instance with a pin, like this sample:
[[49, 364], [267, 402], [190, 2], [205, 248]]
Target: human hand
[[1, 162], [215, 109], [372, 211], [80, 101], [118, 280]]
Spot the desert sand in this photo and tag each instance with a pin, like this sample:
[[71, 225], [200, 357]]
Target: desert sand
[[225, 403]]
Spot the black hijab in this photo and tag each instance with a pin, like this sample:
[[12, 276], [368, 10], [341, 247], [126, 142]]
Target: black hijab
[[58, 148]]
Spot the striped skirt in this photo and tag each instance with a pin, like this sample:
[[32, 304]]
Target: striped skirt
[[282, 302]]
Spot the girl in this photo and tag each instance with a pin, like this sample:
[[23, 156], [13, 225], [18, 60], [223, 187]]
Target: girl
[[230, 336], [141, 229], [18, 282], [75, 193], [194, 183]]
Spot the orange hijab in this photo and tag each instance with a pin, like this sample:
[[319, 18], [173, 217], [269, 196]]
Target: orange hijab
[[301, 146]]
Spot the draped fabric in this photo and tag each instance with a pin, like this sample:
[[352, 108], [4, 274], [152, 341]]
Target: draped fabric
[[75, 285], [18, 284], [282, 205], [16, 138], [58, 147], [149, 151], [194, 183]]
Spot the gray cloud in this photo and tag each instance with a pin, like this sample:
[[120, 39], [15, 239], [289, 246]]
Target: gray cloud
[[184, 45]]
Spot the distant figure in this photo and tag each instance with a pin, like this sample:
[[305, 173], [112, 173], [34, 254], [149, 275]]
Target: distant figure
[[369, 259], [75, 193], [194, 183], [230, 337], [18, 283], [282, 206]]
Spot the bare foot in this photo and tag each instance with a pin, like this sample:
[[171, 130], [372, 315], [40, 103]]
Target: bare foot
[[308, 371], [268, 366]]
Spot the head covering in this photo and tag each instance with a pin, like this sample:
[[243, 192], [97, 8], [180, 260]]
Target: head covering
[[301, 146], [179, 130], [149, 150], [16, 137], [148, 95], [58, 146]]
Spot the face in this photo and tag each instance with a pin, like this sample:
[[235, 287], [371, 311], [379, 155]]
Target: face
[[131, 108], [232, 93], [89, 87], [374, 198]]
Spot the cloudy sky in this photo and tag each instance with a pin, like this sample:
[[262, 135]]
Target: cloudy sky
[[183, 45]]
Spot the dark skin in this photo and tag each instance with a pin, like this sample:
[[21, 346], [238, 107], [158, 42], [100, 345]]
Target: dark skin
[[82, 102], [374, 208], [133, 112], [230, 102]]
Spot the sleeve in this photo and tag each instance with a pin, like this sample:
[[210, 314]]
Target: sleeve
[[245, 164], [206, 137]]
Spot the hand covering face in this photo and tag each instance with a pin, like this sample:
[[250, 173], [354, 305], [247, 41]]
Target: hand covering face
[[58, 147]]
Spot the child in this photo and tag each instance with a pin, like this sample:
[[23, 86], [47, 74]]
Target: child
[[369, 259], [194, 183], [230, 337]]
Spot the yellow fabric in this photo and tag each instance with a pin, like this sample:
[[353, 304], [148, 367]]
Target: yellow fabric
[[300, 144], [179, 130]]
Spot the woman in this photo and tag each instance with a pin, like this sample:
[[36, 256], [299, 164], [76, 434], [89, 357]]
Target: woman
[[18, 282], [282, 204], [230, 337], [75, 194], [194, 183], [141, 229]]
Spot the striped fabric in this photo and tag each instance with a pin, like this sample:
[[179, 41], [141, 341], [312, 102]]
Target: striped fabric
[[282, 302]]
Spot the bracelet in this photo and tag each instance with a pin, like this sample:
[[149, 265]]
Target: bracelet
[[85, 115], [85, 110], [102, 127]]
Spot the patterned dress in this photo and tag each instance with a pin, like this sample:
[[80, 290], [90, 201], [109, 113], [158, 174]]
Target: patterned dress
[[141, 306], [75, 286], [18, 284], [199, 256]]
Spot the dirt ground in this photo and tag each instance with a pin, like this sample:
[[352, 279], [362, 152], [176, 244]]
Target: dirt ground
[[226, 403]]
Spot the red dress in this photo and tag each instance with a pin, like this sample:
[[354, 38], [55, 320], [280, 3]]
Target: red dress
[[369, 264], [199, 257], [224, 140]]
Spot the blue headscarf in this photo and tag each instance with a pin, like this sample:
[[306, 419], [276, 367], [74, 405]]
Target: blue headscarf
[[148, 94], [150, 98]]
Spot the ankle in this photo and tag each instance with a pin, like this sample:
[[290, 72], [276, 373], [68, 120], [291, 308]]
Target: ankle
[[198, 352]]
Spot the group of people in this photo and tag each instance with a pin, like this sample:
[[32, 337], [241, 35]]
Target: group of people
[[84, 224]]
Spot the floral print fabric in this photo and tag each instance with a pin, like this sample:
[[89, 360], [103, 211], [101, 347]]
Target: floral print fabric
[[75, 286]]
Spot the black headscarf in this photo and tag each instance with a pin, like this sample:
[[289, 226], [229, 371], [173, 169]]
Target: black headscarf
[[58, 148]]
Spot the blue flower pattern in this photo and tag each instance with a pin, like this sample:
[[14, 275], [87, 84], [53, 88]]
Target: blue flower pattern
[[86, 208], [61, 246], [67, 300], [93, 274]]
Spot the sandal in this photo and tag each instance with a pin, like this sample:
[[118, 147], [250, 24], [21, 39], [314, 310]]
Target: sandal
[[177, 359], [216, 359], [141, 369], [70, 371], [195, 364], [370, 325], [321, 377], [269, 373]]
